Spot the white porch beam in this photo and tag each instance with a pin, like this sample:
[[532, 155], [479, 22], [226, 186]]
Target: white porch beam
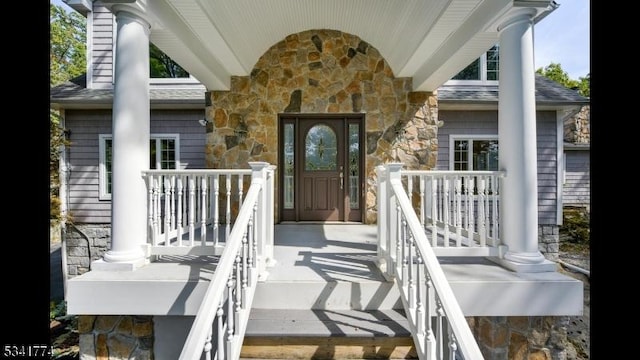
[[130, 154], [518, 150]]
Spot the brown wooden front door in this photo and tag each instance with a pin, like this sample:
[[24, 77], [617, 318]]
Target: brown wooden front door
[[321, 178]]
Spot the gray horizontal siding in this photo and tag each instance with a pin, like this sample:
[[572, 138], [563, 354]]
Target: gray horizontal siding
[[457, 122], [102, 45], [577, 178], [86, 126]]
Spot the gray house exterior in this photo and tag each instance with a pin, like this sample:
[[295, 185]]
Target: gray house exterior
[[190, 118]]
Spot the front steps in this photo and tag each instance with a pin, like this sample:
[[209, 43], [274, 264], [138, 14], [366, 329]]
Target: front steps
[[327, 334], [326, 299]]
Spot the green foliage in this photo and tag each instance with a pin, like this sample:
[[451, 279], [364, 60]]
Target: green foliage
[[67, 53], [555, 72], [161, 65], [57, 309], [576, 225]]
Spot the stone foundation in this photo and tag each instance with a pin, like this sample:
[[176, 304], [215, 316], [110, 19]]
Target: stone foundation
[[85, 243], [521, 337], [549, 241], [115, 337]]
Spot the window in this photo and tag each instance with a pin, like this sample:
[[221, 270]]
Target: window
[[478, 153], [483, 70], [164, 153]]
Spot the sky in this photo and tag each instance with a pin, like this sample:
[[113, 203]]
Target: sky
[[562, 37]]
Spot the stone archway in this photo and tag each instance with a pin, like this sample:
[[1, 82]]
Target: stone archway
[[322, 71]]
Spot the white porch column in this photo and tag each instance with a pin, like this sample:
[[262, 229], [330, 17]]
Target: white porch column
[[517, 150], [131, 133]]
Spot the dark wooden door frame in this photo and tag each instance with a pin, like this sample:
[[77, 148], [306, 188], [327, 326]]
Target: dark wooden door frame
[[294, 214]]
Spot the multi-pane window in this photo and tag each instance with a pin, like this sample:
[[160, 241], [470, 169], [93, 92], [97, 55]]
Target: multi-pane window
[[485, 68], [474, 154], [163, 154]]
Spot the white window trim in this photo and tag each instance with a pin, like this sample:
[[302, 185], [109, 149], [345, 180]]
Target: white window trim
[[454, 137], [483, 75], [102, 170]]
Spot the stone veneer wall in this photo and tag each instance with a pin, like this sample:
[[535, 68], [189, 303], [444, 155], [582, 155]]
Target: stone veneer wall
[[549, 241], [577, 128], [323, 71], [85, 243], [116, 337], [522, 337]]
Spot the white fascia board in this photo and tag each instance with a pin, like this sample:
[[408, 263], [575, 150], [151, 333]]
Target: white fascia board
[[467, 43], [81, 6]]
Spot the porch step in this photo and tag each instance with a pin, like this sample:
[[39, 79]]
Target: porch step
[[327, 334], [361, 294]]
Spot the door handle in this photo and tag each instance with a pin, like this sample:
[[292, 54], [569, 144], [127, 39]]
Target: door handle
[[341, 177]]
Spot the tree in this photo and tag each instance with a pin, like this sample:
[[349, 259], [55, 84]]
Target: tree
[[555, 72], [67, 44], [161, 65], [67, 56]]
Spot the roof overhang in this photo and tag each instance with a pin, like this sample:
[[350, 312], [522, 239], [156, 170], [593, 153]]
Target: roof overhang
[[428, 41]]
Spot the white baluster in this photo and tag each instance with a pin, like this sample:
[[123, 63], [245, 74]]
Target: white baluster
[[439, 330], [419, 318], [207, 346], [411, 291], [434, 211], [467, 193], [172, 202], [422, 204], [458, 205], [219, 315], [230, 316], [238, 291], [430, 344], [156, 208], [215, 207], [453, 344], [149, 182], [445, 209], [180, 209], [245, 269], [410, 188], [472, 212], [398, 240], [167, 211], [495, 198], [240, 186], [192, 208], [481, 211], [405, 255], [203, 210], [228, 212]]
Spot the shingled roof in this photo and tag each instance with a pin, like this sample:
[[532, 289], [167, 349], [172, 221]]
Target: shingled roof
[[75, 91], [548, 92]]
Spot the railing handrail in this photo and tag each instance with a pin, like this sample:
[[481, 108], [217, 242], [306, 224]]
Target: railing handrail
[[247, 251], [499, 173], [464, 336], [197, 172], [206, 314]]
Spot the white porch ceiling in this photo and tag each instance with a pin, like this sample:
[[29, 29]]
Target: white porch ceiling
[[428, 40]]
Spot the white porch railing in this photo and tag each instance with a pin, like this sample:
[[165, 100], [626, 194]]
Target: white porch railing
[[219, 326], [191, 211], [436, 321], [459, 210]]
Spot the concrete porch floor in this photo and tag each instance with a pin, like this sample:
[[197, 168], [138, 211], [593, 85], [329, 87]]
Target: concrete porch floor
[[322, 266]]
